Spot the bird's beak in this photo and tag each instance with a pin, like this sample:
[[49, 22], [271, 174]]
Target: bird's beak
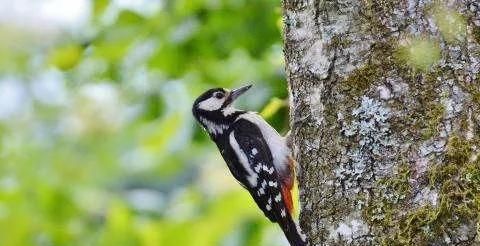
[[235, 93]]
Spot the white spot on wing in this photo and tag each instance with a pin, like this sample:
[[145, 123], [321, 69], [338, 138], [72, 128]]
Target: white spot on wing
[[278, 197], [252, 176], [258, 167], [276, 143], [282, 213], [261, 191], [268, 170], [254, 151], [268, 207], [272, 184]]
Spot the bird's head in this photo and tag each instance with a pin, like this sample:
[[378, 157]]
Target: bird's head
[[213, 109]]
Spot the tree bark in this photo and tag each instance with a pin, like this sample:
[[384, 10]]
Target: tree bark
[[387, 142]]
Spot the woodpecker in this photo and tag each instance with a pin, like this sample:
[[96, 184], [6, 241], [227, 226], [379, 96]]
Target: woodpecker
[[256, 155]]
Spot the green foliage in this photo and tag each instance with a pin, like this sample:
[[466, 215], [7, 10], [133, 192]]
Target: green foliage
[[101, 148], [272, 107], [66, 57]]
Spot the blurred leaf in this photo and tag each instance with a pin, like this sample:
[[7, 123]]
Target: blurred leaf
[[66, 57], [114, 44], [154, 106], [157, 136], [99, 6], [127, 17], [272, 107], [221, 216], [150, 234], [119, 226]]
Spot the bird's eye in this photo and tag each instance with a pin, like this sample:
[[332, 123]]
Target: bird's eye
[[219, 95]]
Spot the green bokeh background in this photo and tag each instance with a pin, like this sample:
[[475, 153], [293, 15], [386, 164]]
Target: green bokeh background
[[98, 145]]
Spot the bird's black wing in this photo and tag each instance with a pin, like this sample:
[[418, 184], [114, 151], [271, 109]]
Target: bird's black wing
[[258, 160], [254, 154]]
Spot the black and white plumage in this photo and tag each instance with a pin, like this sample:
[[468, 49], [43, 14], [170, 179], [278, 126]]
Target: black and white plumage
[[257, 156]]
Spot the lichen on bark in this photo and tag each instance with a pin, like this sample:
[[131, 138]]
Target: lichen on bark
[[388, 141]]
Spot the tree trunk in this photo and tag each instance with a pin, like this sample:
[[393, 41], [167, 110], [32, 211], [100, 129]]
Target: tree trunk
[[385, 119]]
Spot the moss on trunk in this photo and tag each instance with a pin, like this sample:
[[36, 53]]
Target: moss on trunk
[[385, 117]]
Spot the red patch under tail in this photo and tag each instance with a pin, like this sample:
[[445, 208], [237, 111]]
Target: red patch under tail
[[287, 185]]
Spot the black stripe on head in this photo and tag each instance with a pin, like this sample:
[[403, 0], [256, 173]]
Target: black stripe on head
[[212, 93]]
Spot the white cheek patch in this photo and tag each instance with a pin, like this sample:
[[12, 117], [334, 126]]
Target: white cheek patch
[[211, 104]]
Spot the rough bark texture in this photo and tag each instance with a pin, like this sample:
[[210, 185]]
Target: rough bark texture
[[388, 151]]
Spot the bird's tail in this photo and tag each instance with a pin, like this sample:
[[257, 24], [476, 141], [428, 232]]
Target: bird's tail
[[292, 232]]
